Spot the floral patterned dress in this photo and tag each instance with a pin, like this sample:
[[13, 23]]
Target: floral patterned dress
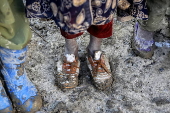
[[74, 16]]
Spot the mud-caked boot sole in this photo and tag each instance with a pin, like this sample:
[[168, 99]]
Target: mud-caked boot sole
[[141, 53], [142, 47], [7, 110], [102, 84], [32, 105]]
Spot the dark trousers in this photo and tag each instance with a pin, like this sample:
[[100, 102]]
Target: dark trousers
[[158, 9]]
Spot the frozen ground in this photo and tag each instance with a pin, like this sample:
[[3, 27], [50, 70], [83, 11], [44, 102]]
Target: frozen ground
[[140, 85]]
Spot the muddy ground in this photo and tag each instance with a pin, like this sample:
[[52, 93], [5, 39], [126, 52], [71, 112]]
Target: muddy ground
[[140, 85]]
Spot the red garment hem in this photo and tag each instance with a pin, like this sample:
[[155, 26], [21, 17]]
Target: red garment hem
[[99, 31], [68, 35]]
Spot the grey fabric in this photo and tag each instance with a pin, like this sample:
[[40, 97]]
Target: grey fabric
[[157, 11], [14, 26]]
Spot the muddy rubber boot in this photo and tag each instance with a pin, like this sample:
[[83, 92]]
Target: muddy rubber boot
[[5, 103], [68, 71], [143, 43], [22, 91], [100, 70]]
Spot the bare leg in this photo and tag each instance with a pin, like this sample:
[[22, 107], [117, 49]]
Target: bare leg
[[94, 45], [71, 46], [68, 68]]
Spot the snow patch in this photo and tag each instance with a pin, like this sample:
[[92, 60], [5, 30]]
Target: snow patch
[[97, 55], [70, 57]]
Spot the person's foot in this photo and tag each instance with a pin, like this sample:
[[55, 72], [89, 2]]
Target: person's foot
[[143, 43], [22, 91], [5, 103], [100, 70], [68, 71]]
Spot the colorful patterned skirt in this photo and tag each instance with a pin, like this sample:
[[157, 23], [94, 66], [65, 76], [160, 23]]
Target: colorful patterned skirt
[[73, 16]]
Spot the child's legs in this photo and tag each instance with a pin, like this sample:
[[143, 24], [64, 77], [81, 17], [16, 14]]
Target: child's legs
[[98, 32], [71, 46]]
